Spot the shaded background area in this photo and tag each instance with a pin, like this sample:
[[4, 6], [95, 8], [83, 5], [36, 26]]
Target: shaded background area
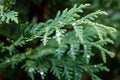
[[35, 11]]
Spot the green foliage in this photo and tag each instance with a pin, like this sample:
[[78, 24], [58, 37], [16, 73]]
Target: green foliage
[[5, 14], [66, 47]]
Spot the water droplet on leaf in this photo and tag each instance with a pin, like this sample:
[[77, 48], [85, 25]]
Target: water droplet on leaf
[[74, 23], [88, 56], [41, 72], [31, 70]]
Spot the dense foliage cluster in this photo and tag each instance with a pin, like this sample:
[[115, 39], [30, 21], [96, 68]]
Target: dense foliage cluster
[[67, 44]]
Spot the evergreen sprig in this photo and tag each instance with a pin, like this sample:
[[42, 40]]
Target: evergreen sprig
[[66, 49], [5, 14]]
